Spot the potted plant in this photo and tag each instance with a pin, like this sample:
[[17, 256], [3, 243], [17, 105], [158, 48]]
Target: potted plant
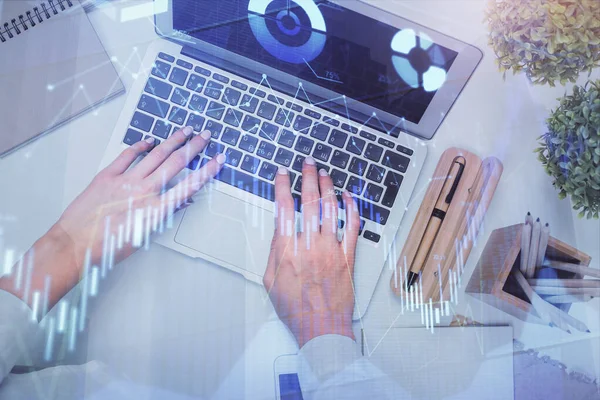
[[548, 40], [570, 150]]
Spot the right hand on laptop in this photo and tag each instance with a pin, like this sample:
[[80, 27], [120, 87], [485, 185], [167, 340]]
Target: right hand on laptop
[[309, 274]]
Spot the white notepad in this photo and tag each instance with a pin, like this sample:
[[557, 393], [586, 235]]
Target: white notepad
[[53, 68], [451, 363]]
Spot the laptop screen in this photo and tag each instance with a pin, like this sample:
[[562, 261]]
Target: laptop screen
[[397, 71]]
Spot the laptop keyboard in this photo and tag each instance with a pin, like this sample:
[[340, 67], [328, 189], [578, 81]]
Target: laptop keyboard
[[258, 132]]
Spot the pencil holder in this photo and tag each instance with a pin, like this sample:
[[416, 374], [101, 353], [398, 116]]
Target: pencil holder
[[493, 284]]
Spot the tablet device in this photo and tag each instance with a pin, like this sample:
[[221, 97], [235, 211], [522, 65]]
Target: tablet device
[[287, 382]]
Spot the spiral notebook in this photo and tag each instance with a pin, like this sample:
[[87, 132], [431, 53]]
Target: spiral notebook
[[53, 68]]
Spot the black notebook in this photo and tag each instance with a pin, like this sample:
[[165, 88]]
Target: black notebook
[[53, 68]]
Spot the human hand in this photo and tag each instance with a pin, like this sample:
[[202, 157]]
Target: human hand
[[309, 274]]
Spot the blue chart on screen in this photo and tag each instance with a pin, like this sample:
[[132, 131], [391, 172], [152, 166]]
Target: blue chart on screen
[[292, 31], [418, 61]]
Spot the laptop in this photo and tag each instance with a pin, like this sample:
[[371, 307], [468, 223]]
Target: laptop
[[353, 86]]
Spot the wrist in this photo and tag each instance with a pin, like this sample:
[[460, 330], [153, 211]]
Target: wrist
[[315, 325]]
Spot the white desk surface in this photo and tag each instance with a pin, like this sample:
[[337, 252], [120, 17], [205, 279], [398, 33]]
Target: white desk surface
[[160, 307]]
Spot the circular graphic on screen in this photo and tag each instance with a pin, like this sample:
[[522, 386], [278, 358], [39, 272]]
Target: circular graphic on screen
[[292, 31], [418, 61]]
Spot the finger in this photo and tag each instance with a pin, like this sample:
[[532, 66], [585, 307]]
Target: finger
[[180, 158], [310, 201], [352, 228], [184, 190], [161, 152], [128, 156], [329, 207]]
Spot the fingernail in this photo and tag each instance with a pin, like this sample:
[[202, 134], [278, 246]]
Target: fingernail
[[309, 161], [322, 172], [149, 140], [221, 159], [205, 135], [282, 171], [187, 131]]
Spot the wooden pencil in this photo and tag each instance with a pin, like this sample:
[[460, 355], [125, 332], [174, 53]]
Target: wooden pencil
[[533, 248], [556, 291], [525, 244], [544, 237], [529, 219], [568, 283], [568, 298], [575, 268]]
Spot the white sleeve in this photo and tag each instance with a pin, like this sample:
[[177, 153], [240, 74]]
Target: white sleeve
[[332, 367], [18, 329]]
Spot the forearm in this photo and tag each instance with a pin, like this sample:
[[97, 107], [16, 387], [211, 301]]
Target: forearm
[[48, 267]]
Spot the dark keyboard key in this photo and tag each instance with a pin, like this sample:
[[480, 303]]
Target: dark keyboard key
[[161, 129], [230, 136], [195, 121], [257, 92], [393, 181], [284, 157], [277, 100], [298, 162], [404, 150], [302, 124], [161, 69], [166, 57], [233, 157], [158, 88], [294, 107], [213, 149], [320, 131], [198, 103], [250, 164], [202, 71], [220, 78], [269, 131], [177, 115], [248, 143], [284, 117], [349, 128], [249, 103], [373, 193], [180, 97], [215, 110], [287, 138], [312, 114], [395, 161], [233, 117], [358, 166], [386, 143], [298, 185], [266, 110], [338, 138], [196, 83], [153, 106], [372, 236], [297, 201], [142, 121], [355, 145], [266, 150], [239, 85], [267, 171], [213, 93], [356, 185], [156, 141], [322, 152], [231, 97], [373, 212], [373, 152], [251, 124], [214, 85], [193, 165], [362, 226], [184, 64], [132, 137], [247, 183], [331, 121], [304, 145], [214, 128], [339, 178], [340, 159], [178, 76], [375, 173], [367, 135]]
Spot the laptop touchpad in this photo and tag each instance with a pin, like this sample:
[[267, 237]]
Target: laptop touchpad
[[230, 230]]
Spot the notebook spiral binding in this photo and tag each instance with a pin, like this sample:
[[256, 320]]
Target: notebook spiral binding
[[46, 10]]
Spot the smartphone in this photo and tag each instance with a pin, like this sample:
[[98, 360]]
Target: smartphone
[[287, 384]]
